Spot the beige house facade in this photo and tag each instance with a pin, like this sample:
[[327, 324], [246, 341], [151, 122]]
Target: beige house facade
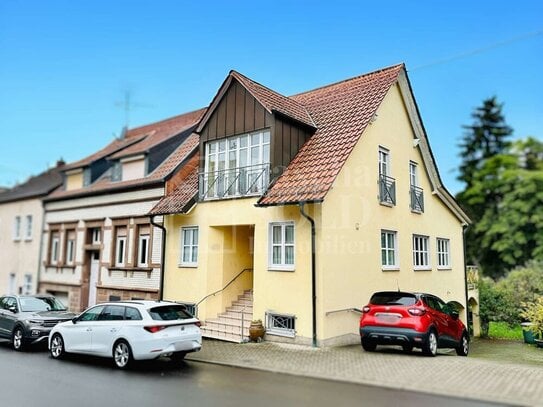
[[21, 219]]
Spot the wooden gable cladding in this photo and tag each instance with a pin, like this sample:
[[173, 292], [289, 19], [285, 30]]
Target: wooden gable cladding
[[238, 112]]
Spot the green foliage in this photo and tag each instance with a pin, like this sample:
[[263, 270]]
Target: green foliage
[[503, 301], [501, 330], [533, 312]]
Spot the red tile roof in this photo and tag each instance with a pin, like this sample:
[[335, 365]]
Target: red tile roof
[[341, 112], [161, 131], [155, 133], [275, 102], [179, 199]]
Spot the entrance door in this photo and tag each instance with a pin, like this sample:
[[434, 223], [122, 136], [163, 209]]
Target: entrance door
[[93, 278]]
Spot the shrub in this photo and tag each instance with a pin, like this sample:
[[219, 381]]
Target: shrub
[[533, 312]]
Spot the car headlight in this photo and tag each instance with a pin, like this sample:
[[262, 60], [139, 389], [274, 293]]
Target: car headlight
[[35, 322]]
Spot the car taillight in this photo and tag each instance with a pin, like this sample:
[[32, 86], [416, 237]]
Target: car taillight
[[154, 329], [417, 312], [366, 309]]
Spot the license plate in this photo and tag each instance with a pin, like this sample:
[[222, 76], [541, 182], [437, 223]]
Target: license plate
[[388, 319]]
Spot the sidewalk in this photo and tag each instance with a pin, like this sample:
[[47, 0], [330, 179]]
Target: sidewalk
[[446, 374]]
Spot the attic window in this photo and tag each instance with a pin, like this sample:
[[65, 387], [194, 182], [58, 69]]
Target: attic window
[[86, 177], [116, 171]]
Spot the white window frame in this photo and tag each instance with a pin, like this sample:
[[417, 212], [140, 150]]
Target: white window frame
[[421, 252], [443, 253], [282, 245], [96, 235], [27, 284], [70, 251], [28, 228], [17, 228], [287, 331], [55, 248], [384, 162], [218, 153], [145, 253], [413, 174], [388, 249], [118, 245], [192, 246]]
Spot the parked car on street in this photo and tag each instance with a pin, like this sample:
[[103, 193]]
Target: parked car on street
[[128, 331], [28, 319], [412, 320]]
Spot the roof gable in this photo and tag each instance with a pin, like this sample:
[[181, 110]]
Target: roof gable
[[270, 100]]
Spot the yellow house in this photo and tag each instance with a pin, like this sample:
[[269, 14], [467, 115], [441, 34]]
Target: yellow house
[[294, 210]]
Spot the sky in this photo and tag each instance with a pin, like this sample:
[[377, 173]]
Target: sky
[[66, 67]]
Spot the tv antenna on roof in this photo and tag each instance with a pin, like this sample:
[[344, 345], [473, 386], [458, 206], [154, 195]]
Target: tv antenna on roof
[[127, 105]]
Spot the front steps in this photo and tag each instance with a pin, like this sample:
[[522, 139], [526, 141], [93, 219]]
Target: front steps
[[228, 325]]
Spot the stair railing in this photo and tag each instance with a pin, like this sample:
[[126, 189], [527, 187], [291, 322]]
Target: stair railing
[[221, 290]]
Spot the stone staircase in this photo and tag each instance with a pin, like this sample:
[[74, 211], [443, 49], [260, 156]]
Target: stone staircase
[[227, 326]]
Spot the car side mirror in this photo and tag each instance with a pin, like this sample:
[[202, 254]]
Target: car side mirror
[[455, 314], [13, 308], [74, 320]]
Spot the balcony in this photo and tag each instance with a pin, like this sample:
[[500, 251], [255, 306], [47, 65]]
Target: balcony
[[417, 199], [387, 190], [233, 183]]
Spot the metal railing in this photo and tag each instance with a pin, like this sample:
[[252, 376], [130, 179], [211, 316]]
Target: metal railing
[[242, 181], [221, 290], [417, 199], [387, 190]]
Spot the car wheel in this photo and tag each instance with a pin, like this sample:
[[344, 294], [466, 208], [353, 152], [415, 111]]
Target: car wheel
[[122, 354], [368, 346], [463, 347], [178, 357], [430, 345], [17, 339], [57, 347]]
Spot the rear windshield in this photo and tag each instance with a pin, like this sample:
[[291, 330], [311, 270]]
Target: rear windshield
[[393, 298], [169, 313]]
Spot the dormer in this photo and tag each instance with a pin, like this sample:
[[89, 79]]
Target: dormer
[[248, 136], [128, 168]]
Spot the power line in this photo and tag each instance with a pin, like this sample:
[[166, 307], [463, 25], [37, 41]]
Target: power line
[[480, 50]]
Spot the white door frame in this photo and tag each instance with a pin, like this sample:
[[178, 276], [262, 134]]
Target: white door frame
[[93, 277]]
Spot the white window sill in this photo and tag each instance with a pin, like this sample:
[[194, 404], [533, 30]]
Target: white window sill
[[389, 204], [422, 268], [188, 265], [390, 268], [444, 267], [280, 332], [279, 268]]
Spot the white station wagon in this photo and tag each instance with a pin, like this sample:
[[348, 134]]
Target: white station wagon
[[127, 331]]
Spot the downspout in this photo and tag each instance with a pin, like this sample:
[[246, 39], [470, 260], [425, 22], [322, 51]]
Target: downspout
[[313, 273], [40, 250], [162, 256], [464, 230]]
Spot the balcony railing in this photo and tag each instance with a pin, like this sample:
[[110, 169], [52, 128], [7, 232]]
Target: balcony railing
[[236, 182], [387, 190], [417, 199]]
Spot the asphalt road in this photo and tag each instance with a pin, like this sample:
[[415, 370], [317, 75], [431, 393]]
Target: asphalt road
[[32, 379]]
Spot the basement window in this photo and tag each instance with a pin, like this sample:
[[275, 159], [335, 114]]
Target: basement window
[[281, 324]]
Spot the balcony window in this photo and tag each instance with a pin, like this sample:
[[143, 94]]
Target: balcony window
[[387, 184], [236, 166], [415, 192]]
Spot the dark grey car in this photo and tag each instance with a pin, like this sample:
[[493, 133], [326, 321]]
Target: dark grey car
[[28, 319]]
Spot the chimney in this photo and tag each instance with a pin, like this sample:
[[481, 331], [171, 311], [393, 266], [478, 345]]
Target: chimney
[[60, 163]]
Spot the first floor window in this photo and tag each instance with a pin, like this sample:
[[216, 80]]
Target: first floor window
[[282, 245], [55, 248], [389, 254], [144, 232], [189, 246], [17, 228], [421, 254], [443, 253], [27, 286], [120, 245], [70, 247], [28, 230]]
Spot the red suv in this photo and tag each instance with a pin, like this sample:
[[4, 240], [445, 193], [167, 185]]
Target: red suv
[[412, 320]]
